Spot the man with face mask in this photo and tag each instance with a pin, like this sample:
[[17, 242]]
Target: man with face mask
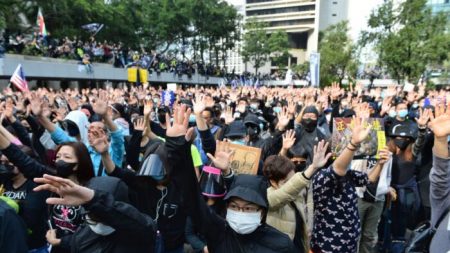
[[307, 135], [32, 207]]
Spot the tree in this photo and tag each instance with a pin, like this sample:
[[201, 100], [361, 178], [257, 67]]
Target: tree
[[408, 38], [256, 47], [279, 48], [337, 54]]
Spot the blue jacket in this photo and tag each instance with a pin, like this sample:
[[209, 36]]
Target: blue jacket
[[116, 149]]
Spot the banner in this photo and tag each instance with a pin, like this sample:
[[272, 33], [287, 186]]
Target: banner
[[342, 134], [314, 69]]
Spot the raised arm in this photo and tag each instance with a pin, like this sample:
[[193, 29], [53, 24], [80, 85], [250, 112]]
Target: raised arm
[[27, 165], [359, 134], [116, 214], [440, 173]]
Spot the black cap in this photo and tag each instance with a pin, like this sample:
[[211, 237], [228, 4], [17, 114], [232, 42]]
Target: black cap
[[236, 129], [250, 188], [252, 119], [401, 130], [311, 109]]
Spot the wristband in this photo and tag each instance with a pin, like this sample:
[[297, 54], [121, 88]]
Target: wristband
[[353, 150], [355, 146], [303, 174]]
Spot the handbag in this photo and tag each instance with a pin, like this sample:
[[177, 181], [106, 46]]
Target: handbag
[[422, 236]]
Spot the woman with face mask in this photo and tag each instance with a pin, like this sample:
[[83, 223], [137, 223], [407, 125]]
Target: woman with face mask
[[286, 207], [404, 167], [244, 229], [72, 162]]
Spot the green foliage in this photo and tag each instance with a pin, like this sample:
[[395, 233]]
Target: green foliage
[[259, 45], [337, 54], [301, 69], [151, 24], [408, 39], [279, 48], [256, 47]]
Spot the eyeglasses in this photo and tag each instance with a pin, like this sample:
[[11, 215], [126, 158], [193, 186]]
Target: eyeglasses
[[245, 209]]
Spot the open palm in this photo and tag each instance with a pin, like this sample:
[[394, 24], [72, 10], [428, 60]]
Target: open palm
[[69, 193], [440, 122]]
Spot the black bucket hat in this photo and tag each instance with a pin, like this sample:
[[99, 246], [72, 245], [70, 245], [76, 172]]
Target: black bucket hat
[[250, 188]]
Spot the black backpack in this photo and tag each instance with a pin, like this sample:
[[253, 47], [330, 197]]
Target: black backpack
[[421, 237]]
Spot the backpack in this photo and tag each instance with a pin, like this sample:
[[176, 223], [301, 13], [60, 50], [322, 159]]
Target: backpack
[[421, 237]]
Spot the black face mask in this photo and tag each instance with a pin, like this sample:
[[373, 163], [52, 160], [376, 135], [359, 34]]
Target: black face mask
[[309, 125], [401, 143], [252, 133], [6, 171], [64, 169], [301, 166], [162, 117]]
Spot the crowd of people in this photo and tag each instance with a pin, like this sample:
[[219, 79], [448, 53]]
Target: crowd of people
[[128, 170], [117, 54]]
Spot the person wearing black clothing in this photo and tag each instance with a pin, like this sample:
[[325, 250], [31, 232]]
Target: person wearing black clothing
[[12, 231], [244, 229], [32, 206], [156, 191], [72, 161], [404, 168], [112, 225]]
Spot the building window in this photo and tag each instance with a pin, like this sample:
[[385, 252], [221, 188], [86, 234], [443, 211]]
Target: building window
[[334, 2], [334, 15]]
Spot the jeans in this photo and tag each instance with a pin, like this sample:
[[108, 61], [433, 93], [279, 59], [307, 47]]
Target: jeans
[[369, 214], [39, 250]]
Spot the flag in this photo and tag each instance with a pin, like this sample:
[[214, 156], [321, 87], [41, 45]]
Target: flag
[[314, 68], [256, 85], [93, 28], [18, 79], [40, 22]]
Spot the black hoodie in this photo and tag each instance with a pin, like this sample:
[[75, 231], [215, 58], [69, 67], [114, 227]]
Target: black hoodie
[[134, 231]]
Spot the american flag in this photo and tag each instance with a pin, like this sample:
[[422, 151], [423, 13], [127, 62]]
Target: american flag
[[18, 79]]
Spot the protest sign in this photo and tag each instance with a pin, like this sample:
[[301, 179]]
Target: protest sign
[[342, 134], [245, 159]]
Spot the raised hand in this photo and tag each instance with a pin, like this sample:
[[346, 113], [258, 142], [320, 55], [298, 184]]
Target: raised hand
[[320, 154], [440, 122], [291, 107], [288, 139], [100, 106], [139, 124], [424, 116], [228, 115], [222, 157], [283, 119], [101, 144], [148, 107], [360, 130], [70, 194], [180, 121], [335, 90], [199, 104], [36, 104]]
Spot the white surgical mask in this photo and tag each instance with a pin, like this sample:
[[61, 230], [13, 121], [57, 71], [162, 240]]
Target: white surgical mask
[[243, 223], [101, 229]]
